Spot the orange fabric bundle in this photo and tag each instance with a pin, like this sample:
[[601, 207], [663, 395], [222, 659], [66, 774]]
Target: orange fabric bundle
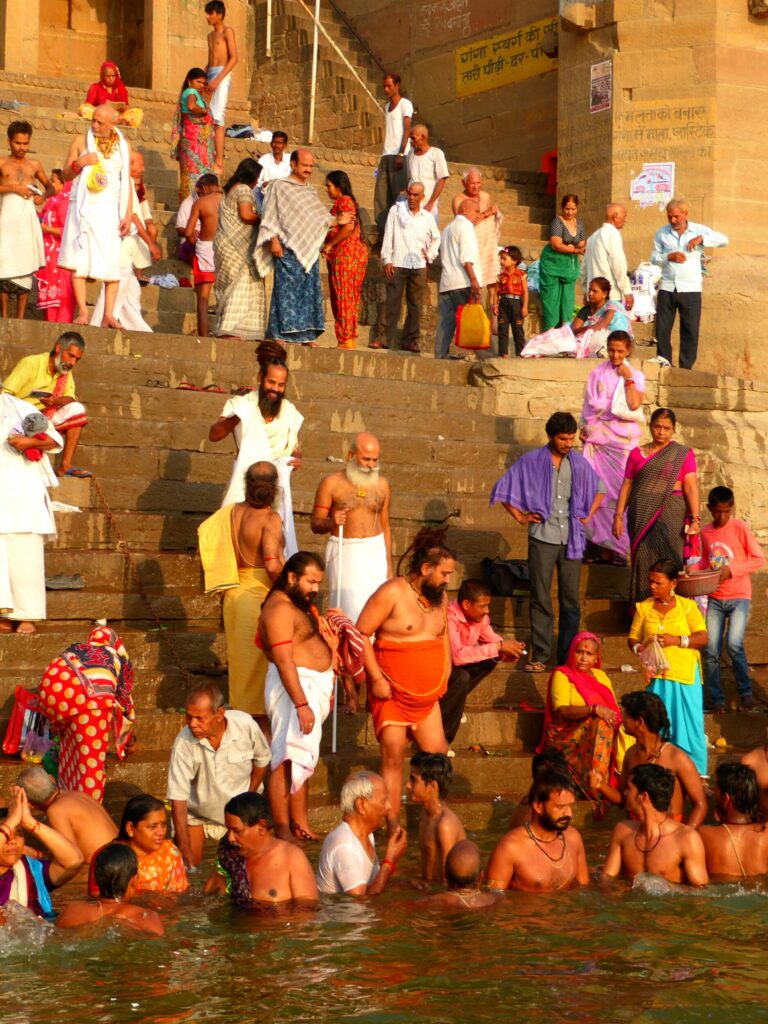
[[418, 673]]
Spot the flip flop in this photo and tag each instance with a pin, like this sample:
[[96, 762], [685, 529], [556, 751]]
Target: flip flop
[[77, 471], [535, 667], [184, 385], [214, 389]]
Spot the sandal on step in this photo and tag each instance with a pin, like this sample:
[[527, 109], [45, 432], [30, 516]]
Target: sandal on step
[[301, 833], [535, 667]]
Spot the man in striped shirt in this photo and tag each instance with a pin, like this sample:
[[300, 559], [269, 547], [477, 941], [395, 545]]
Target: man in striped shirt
[[411, 243]]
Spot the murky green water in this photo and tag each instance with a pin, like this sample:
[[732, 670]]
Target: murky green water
[[593, 956]]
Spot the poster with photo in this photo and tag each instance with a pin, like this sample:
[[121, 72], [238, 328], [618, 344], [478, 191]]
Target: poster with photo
[[600, 86]]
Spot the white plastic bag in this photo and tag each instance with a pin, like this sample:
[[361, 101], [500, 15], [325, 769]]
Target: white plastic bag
[[653, 657], [557, 341]]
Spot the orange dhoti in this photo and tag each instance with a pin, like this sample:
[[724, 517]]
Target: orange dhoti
[[417, 672]]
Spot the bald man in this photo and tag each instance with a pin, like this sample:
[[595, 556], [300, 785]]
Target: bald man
[[460, 257], [293, 227], [604, 256], [463, 876], [428, 165], [100, 214], [355, 499], [677, 249]]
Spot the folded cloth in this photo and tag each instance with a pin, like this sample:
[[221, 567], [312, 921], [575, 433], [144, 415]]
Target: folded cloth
[[417, 672], [204, 253], [164, 280], [363, 570], [217, 551], [349, 644], [289, 743]]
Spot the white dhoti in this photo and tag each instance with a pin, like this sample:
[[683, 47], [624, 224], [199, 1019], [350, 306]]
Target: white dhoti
[[21, 240], [127, 304], [363, 570], [22, 577], [289, 743], [72, 414]]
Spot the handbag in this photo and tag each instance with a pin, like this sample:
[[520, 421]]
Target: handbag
[[506, 577], [97, 179], [473, 328], [621, 410], [24, 717]]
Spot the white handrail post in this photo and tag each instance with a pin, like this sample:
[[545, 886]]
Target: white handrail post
[[269, 28], [315, 43]]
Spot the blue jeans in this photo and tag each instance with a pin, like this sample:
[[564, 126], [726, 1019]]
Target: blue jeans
[[736, 612]]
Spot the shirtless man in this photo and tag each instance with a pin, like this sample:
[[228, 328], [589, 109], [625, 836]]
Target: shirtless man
[[757, 760], [222, 58], [655, 843], [78, 817], [408, 616], [115, 869], [298, 690], [275, 871], [487, 233], [544, 854], [463, 877], [21, 237], [205, 213], [645, 718], [472, 181], [352, 506], [439, 827], [738, 846]]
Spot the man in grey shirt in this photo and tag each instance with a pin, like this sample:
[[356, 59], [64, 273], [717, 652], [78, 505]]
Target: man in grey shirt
[[554, 492]]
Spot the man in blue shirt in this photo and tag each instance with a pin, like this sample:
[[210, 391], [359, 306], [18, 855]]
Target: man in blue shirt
[[677, 249]]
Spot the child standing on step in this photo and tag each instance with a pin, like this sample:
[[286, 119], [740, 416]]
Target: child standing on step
[[205, 211], [222, 58], [728, 544], [512, 303], [439, 827]]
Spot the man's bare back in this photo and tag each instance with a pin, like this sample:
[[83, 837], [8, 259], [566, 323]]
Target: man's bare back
[[757, 760], [687, 778], [364, 505], [520, 862], [83, 821], [258, 538], [675, 852], [137, 918], [400, 614], [205, 211], [736, 850]]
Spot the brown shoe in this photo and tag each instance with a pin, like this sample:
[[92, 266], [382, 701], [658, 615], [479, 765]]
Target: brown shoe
[[377, 344], [413, 347]]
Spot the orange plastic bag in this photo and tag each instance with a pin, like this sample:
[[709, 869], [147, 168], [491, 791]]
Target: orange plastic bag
[[473, 328]]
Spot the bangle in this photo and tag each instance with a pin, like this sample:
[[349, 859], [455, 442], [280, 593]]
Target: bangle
[[304, 705], [684, 641], [387, 863], [696, 519], [636, 649], [629, 383], [35, 828]]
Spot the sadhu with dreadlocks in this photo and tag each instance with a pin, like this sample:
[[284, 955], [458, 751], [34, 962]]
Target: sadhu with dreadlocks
[[408, 616]]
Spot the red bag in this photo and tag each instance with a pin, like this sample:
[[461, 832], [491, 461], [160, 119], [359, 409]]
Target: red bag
[[25, 714]]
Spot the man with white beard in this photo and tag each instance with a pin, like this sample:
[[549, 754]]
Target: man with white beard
[[356, 498]]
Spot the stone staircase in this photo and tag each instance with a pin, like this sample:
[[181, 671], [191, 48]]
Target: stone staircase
[[50, 105], [442, 449]]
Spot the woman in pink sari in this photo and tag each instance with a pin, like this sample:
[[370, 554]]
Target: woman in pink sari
[[54, 284], [583, 721], [612, 422]]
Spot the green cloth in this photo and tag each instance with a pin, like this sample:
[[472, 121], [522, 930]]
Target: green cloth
[[558, 273]]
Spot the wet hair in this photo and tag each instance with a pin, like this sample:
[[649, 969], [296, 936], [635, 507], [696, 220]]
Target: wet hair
[[472, 590], [548, 783], [261, 484], [394, 76], [69, 338], [250, 808], [569, 197], [340, 179], [114, 867], [37, 784], [19, 128], [279, 135], [434, 768], [651, 708], [561, 423], [207, 179], [454, 880], [660, 414], [549, 760], [721, 496], [657, 782], [192, 73], [427, 547], [209, 690], [514, 253], [246, 173], [270, 353], [136, 810], [358, 786], [620, 336], [215, 7], [298, 565], [602, 283], [739, 782], [668, 567]]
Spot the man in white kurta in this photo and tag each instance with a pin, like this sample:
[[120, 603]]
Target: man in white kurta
[[100, 211], [266, 429], [26, 518]]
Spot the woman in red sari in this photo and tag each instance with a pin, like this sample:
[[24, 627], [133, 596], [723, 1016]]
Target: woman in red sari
[[347, 256], [54, 284], [84, 690], [111, 89], [582, 719]]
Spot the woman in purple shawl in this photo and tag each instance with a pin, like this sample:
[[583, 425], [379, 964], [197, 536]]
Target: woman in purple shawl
[[611, 424]]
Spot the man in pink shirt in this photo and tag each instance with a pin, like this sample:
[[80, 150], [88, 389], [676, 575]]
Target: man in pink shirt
[[728, 544], [475, 649]]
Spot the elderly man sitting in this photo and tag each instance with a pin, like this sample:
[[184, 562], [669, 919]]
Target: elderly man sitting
[[348, 861], [26, 879], [45, 381]]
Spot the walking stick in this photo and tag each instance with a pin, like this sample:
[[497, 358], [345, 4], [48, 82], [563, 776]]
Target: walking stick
[[335, 725]]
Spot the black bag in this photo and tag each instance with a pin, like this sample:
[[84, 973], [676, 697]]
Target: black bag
[[506, 577]]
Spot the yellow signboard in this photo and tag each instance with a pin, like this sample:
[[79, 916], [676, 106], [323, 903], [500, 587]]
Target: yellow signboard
[[511, 57]]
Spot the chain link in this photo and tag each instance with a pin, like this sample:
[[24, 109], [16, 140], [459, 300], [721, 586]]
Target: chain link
[[122, 547]]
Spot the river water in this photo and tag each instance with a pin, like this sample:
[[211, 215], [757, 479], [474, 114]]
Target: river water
[[637, 955]]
